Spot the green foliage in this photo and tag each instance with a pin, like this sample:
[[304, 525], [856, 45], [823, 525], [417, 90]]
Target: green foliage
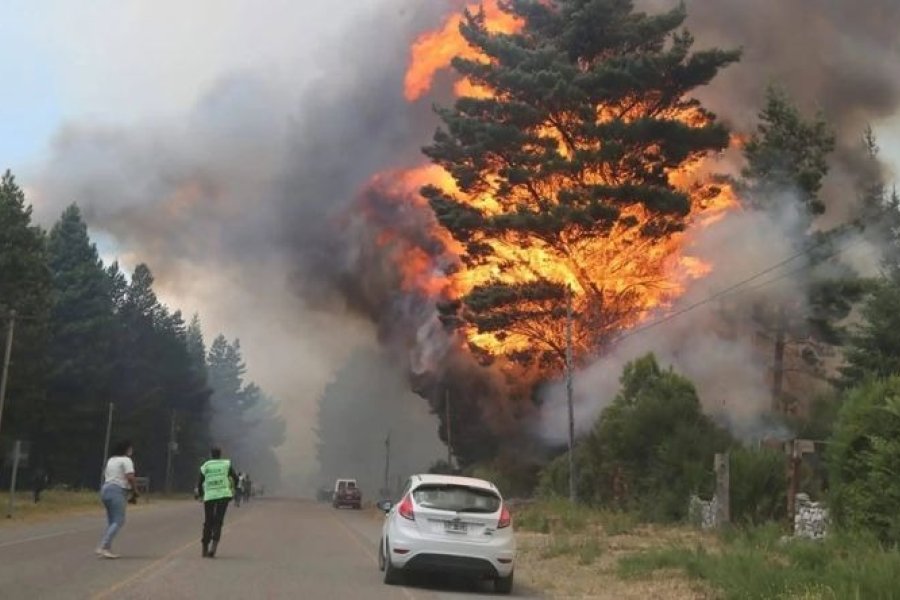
[[874, 344], [758, 485], [756, 565], [864, 460], [79, 354], [583, 125], [787, 163], [788, 154], [26, 287], [650, 450]]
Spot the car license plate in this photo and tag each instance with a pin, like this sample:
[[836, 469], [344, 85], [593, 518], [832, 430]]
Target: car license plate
[[456, 527]]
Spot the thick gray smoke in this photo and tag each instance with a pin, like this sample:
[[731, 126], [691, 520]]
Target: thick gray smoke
[[838, 56], [369, 422], [237, 205], [716, 344]]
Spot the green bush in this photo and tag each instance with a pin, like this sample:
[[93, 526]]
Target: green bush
[[650, 450], [864, 461], [758, 485]]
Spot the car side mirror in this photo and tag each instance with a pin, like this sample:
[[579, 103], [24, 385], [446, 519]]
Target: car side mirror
[[386, 506]]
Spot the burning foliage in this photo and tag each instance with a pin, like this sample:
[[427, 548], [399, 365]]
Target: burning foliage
[[568, 165]]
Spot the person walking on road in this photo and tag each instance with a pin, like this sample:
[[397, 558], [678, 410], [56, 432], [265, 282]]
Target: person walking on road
[[246, 488], [118, 478], [217, 485], [239, 490], [39, 480]]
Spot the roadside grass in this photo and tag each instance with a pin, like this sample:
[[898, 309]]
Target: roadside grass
[[559, 515], [587, 549], [53, 502], [570, 551], [758, 564]]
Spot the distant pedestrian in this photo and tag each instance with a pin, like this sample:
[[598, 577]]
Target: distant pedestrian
[[247, 488], [239, 489], [118, 479], [39, 481], [217, 484]]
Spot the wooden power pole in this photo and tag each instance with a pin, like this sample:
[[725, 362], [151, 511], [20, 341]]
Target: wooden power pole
[[6, 356], [449, 429], [571, 408]]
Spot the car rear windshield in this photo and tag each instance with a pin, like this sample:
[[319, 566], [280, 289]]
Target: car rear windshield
[[458, 498]]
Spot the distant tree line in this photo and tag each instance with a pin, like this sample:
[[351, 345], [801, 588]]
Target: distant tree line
[[87, 334]]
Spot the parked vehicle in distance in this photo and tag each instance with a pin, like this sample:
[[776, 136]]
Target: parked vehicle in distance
[[448, 524], [346, 493]]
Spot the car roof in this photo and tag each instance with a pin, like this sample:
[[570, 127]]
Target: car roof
[[427, 478]]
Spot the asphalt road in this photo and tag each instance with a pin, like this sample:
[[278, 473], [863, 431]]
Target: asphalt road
[[270, 549]]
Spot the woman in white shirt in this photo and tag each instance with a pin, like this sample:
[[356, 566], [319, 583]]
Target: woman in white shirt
[[117, 480]]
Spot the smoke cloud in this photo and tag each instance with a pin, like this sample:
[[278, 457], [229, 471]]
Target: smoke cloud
[[237, 204], [717, 344]]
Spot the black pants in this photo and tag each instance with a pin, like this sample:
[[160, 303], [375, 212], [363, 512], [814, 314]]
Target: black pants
[[215, 516]]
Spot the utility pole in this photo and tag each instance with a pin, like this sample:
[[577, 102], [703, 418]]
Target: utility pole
[[17, 452], [109, 419], [170, 451], [723, 489], [569, 376], [6, 356], [387, 464], [449, 428]]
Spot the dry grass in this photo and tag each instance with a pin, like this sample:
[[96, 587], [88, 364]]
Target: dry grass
[[56, 503], [53, 502], [568, 562]]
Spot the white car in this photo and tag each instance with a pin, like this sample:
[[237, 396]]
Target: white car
[[446, 524]]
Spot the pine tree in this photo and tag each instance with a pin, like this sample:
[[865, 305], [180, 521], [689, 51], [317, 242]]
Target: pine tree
[[874, 345], [787, 162], [788, 155], [588, 112], [25, 286], [79, 353]]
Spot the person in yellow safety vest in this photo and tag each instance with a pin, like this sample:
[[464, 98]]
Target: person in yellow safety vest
[[217, 484]]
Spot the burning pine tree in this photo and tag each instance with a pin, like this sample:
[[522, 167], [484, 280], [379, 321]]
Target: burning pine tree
[[567, 166]]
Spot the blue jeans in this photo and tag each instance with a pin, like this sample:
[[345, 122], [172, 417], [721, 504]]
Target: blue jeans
[[114, 500]]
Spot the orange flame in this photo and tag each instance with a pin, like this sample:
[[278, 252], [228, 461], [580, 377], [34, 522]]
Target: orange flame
[[633, 274], [435, 51]]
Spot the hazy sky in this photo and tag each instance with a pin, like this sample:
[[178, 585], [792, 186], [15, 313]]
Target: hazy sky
[[122, 61]]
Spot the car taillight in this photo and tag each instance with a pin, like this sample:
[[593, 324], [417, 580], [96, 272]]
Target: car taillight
[[406, 509], [505, 518]]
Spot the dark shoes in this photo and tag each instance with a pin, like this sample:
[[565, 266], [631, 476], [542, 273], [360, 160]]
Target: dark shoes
[[209, 551]]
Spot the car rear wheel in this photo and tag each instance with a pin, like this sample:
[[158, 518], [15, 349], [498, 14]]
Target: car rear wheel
[[392, 575], [504, 585]]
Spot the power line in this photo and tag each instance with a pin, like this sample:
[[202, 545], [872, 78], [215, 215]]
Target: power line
[[740, 286]]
